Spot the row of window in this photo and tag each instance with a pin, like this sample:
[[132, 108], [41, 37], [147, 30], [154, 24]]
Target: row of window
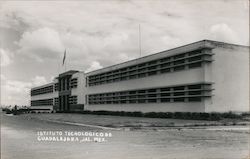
[[73, 99], [48, 89], [178, 62], [73, 83], [44, 102], [55, 87], [56, 101], [185, 93], [66, 84]]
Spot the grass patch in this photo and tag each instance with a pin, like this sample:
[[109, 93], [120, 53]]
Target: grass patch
[[213, 116]]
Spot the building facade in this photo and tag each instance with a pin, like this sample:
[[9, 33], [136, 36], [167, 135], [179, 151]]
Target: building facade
[[205, 76]]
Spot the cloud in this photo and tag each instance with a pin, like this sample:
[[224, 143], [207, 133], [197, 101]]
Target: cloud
[[41, 44], [222, 32], [103, 33], [94, 66], [38, 80], [16, 92], [5, 57]]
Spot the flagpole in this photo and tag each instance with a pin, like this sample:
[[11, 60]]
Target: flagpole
[[64, 61], [65, 66], [140, 39]]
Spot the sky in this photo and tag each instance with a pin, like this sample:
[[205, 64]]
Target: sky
[[100, 33]]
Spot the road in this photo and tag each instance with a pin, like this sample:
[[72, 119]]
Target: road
[[19, 140]]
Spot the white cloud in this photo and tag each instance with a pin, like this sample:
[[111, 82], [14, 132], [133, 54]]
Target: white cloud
[[103, 33], [38, 80], [17, 92], [222, 32], [5, 57], [41, 44], [94, 66]]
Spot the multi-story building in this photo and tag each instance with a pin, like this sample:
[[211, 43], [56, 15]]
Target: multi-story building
[[43, 98], [204, 76]]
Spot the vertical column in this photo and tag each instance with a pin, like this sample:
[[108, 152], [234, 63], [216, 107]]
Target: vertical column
[[65, 83], [186, 61], [171, 64], [60, 84], [158, 95], [172, 94], [60, 103], [68, 105], [63, 103], [186, 94]]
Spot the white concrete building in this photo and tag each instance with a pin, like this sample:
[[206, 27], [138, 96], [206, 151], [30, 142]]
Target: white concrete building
[[43, 97], [205, 76]]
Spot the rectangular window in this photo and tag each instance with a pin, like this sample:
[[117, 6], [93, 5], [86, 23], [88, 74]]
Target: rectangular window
[[141, 101], [196, 58], [43, 102], [73, 99], [165, 89], [194, 53], [44, 90], [194, 99], [151, 100], [179, 99], [165, 70], [194, 65], [179, 94], [165, 65], [179, 56], [166, 94], [142, 65], [179, 88], [194, 87], [179, 62], [152, 62], [151, 95], [165, 59], [73, 83], [141, 91], [163, 100], [152, 73], [142, 75], [172, 63], [179, 68], [194, 93], [132, 101], [151, 90]]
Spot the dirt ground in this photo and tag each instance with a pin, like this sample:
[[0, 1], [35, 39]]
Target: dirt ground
[[133, 122], [151, 140]]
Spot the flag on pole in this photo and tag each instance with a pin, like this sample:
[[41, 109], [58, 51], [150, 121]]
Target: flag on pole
[[64, 57]]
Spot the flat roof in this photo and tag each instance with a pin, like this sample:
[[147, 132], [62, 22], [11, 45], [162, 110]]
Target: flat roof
[[44, 85], [189, 47], [70, 72]]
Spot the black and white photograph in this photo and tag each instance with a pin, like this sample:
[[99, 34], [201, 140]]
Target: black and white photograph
[[125, 79]]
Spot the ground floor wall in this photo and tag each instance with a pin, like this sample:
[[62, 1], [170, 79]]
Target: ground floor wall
[[150, 107], [41, 108]]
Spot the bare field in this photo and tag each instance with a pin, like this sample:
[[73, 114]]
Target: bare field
[[133, 122], [131, 142]]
